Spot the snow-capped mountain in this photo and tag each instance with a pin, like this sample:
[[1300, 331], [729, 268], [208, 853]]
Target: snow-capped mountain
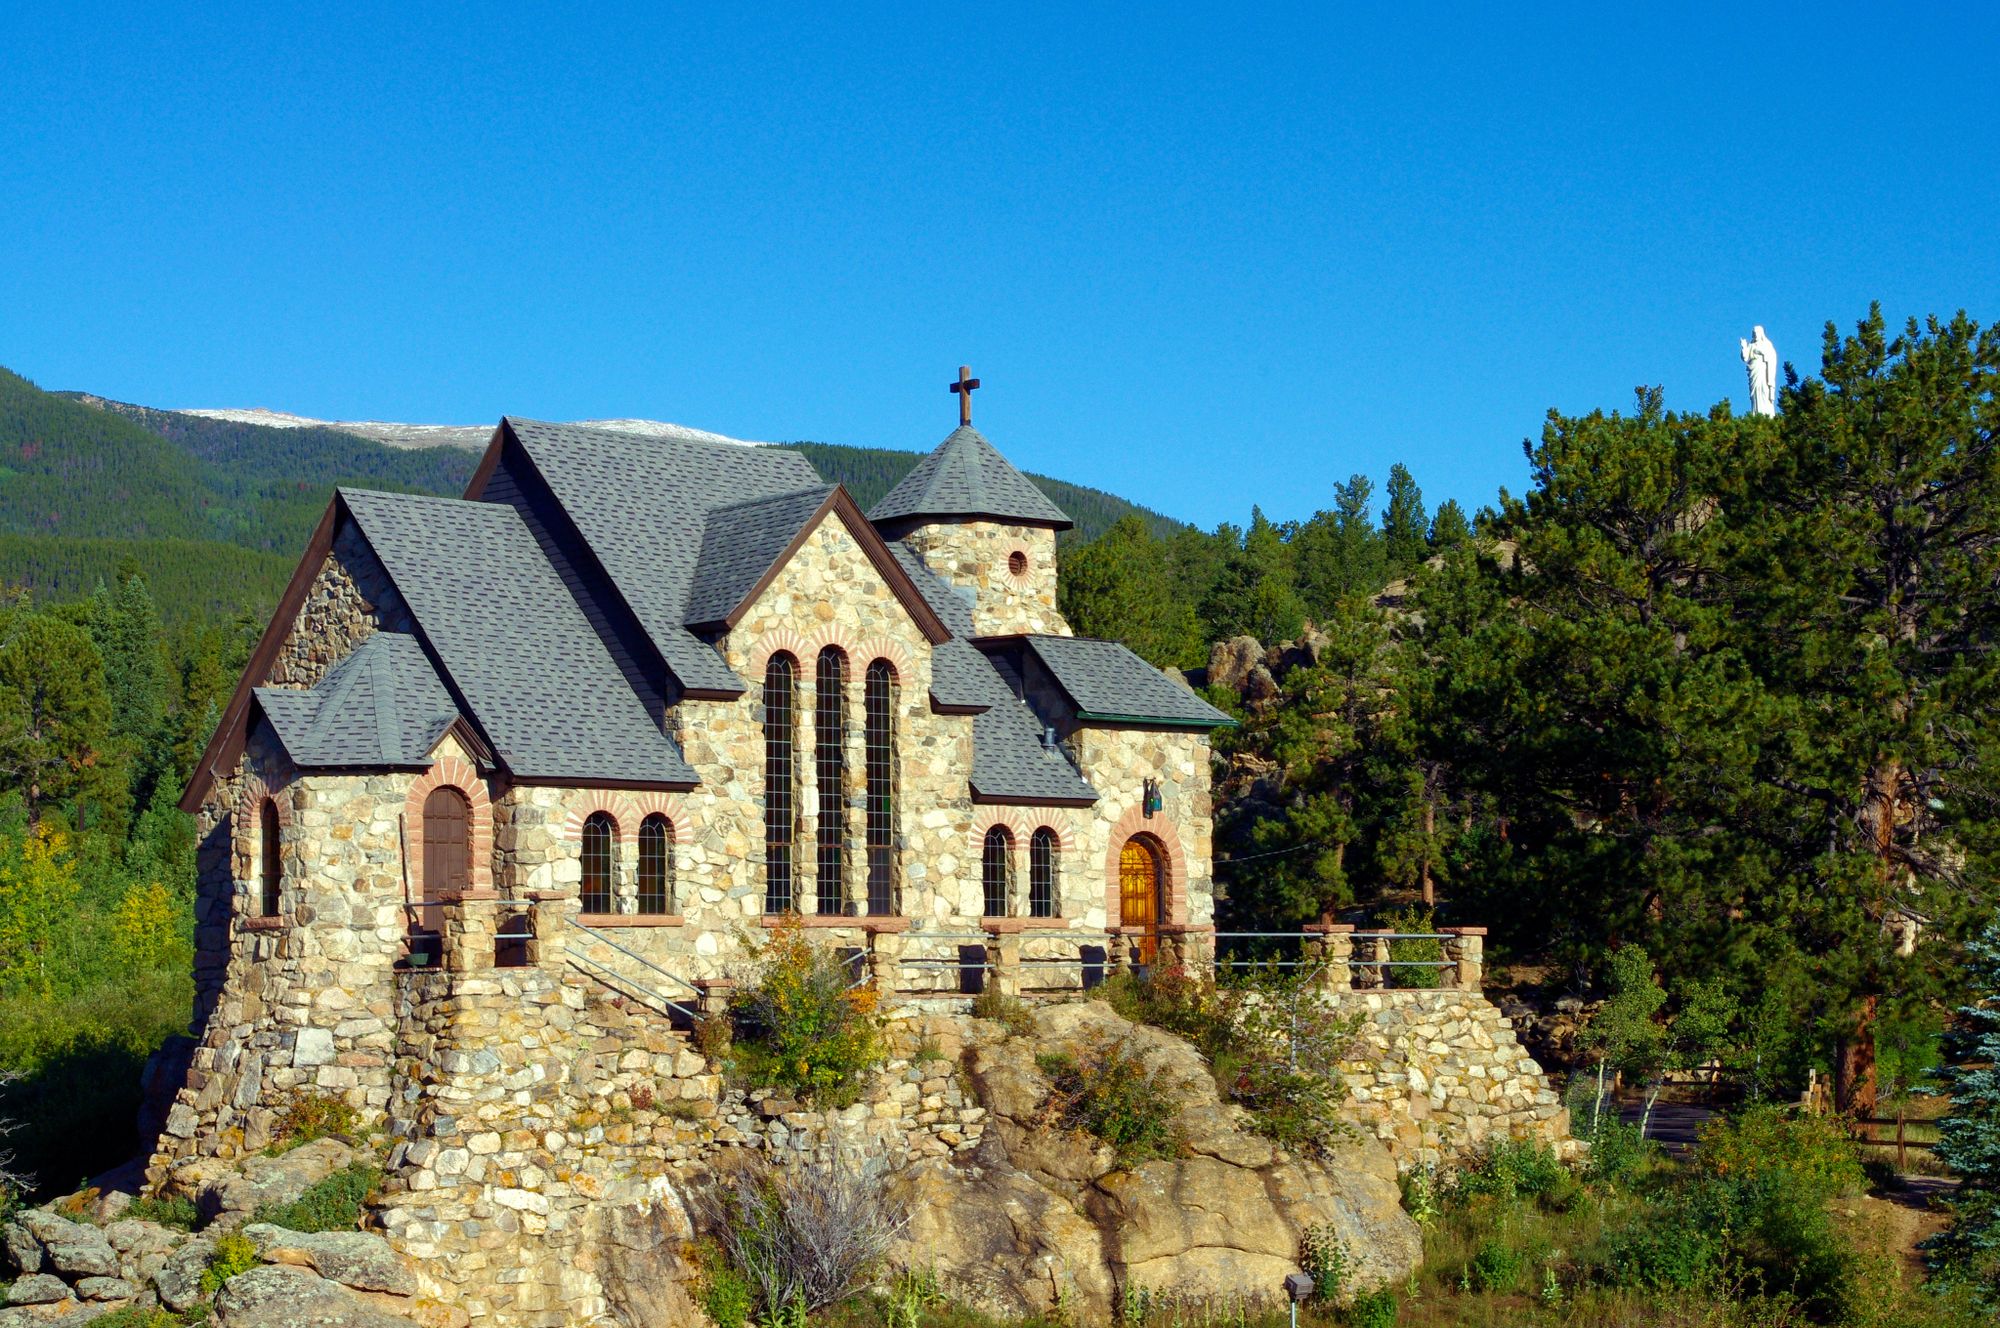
[[470, 436]]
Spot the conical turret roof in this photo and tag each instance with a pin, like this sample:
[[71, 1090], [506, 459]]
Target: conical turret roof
[[966, 476]]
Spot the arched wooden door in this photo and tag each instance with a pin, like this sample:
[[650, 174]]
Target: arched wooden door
[[1140, 877], [447, 865]]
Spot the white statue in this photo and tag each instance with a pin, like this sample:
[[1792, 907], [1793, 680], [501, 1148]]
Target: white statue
[[1760, 357]]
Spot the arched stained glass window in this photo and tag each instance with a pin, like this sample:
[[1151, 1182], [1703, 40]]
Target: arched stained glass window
[[1043, 863], [600, 855], [271, 876], [656, 865], [996, 871], [879, 739], [830, 765], [780, 780]]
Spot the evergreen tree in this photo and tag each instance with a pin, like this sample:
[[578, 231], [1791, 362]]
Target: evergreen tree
[[1865, 552], [1404, 545], [54, 718], [1449, 526], [1256, 593], [1969, 1133], [1119, 587]]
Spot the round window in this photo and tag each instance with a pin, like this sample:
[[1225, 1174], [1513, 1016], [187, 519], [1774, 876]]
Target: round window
[[1017, 563]]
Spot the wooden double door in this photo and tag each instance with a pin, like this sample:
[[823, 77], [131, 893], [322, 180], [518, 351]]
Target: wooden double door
[[1141, 887]]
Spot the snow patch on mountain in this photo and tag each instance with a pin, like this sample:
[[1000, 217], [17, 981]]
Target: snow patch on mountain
[[471, 436]]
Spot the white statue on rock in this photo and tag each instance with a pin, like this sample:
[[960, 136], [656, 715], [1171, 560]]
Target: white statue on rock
[[1760, 357]]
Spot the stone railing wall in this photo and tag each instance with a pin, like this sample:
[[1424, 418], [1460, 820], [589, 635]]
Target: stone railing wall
[[1437, 1073]]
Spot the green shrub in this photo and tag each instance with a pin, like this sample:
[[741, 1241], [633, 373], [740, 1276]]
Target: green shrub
[[133, 1316], [1323, 1257], [1377, 1309], [309, 1116], [1005, 1010], [1114, 1098], [1762, 1142], [1497, 1266], [333, 1204], [1412, 952], [177, 1212], [1665, 1249], [802, 1027], [725, 1293], [1419, 1186], [233, 1254], [1519, 1169]]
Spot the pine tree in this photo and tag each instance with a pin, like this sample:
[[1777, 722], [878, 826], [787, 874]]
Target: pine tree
[[1404, 546], [1119, 587], [54, 718], [1257, 593], [1969, 1134], [1449, 526]]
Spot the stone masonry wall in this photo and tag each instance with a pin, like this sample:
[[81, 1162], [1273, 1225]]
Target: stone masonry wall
[[350, 599], [1436, 1073], [979, 556], [1118, 762], [535, 1111], [306, 999]]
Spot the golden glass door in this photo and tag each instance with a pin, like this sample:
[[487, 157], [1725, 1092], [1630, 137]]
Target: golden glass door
[[1139, 894]]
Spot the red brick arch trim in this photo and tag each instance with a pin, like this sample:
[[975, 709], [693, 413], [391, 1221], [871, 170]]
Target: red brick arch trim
[[624, 813], [249, 816], [833, 634], [770, 643], [881, 647], [1161, 831], [1021, 822], [668, 805], [450, 772]]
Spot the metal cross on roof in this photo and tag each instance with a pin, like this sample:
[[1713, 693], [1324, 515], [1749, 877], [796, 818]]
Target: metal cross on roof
[[964, 387]]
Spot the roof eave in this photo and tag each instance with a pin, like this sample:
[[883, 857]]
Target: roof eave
[[1151, 721], [1016, 800]]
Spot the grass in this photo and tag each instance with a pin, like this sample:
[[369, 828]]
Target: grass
[[333, 1204]]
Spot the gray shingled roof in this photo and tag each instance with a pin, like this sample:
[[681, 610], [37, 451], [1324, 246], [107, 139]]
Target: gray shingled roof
[[1109, 682], [538, 679], [381, 706], [967, 476], [739, 545], [1009, 761], [643, 503]]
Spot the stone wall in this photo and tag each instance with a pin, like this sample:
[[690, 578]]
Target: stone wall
[[350, 600], [535, 1110], [305, 999], [1118, 762], [980, 556], [1437, 1073]]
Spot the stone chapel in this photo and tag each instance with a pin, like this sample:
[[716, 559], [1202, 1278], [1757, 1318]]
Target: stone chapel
[[646, 698]]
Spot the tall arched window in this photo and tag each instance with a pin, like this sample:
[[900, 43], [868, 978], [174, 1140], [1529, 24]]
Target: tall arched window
[[270, 859], [600, 852], [780, 780], [830, 764], [996, 870], [656, 865], [1042, 865], [879, 739]]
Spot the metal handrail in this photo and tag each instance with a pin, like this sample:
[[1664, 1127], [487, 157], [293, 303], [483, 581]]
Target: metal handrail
[[637, 958]]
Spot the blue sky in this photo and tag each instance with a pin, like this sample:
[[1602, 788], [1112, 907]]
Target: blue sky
[[1201, 257]]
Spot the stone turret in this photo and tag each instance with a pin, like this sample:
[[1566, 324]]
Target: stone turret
[[984, 527]]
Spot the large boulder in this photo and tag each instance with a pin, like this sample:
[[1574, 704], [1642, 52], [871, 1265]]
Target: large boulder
[[74, 1249], [636, 1249], [281, 1296], [357, 1259], [178, 1280], [38, 1289], [1230, 662], [1044, 1219], [227, 1191]]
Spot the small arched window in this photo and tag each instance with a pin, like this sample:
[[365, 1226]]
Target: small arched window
[[996, 870], [656, 865], [879, 742], [600, 852], [780, 780], [1042, 867], [830, 764], [271, 864]]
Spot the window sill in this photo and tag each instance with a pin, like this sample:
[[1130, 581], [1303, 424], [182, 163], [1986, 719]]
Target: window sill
[[868, 922], [1008, 926], [608, 920], [262, 924]]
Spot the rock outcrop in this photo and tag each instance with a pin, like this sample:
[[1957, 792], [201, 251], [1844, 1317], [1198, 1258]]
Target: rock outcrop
[[1040, 1219]]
